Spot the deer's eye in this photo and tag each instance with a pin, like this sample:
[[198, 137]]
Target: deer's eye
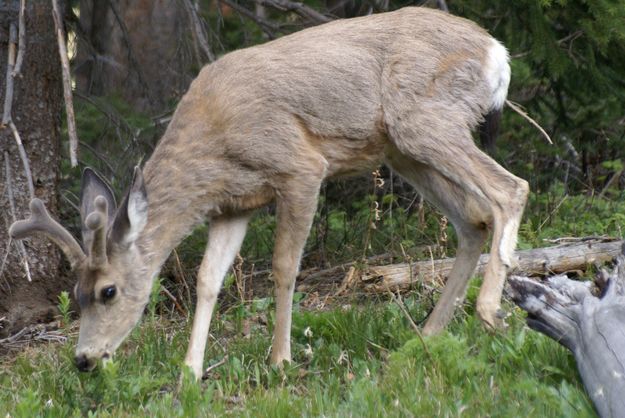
[[108, 293]]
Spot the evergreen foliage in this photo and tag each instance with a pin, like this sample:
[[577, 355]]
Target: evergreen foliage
[[568, 60]]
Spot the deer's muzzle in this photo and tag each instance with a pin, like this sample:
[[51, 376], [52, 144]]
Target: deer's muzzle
[[84, 364]]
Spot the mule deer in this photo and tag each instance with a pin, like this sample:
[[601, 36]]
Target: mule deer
[[271, 123]]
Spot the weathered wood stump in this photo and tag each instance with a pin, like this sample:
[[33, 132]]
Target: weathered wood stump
[[589, 319]]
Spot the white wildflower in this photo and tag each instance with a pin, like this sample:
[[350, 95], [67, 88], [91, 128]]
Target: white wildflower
[[343, 357], [308, 332], [308, 351]]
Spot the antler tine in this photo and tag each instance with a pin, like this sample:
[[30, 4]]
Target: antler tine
[[41, 222], [97, 221]]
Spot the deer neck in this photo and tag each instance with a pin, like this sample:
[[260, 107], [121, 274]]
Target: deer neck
[[176, 205]]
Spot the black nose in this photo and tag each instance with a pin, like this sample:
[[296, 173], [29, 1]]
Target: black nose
[[83, 363]]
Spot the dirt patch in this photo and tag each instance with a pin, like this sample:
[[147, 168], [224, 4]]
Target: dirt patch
[[23, 303]]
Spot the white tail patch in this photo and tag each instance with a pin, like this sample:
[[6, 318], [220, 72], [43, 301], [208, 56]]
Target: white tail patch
[[497, 72]]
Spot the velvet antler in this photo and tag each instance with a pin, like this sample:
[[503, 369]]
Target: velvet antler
[[97, 222], [41, 222]]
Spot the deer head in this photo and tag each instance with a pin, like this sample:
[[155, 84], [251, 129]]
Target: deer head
[[111, 290]]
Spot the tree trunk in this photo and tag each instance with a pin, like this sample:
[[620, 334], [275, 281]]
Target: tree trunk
[[588, 325], [36, 112], [136, 49]]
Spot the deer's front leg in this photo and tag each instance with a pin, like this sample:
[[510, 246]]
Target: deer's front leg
[[295, 213], [224, 241]]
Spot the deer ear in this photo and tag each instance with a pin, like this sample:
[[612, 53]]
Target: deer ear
[[93, 186], [132, 215]]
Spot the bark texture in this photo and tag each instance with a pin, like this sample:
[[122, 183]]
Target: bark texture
[[587, 320], [37, 110], [136, 49]]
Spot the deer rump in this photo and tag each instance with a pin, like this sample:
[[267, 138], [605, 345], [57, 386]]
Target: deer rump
[[273, 122]]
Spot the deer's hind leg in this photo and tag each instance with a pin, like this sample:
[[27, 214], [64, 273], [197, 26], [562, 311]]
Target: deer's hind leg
[[470, 228], [474, 192]]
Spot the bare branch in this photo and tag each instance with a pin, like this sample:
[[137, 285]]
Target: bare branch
[[397, 299], [37, 332], [199, 33], [21, 43], [521, 112], [442, 5], [175, 301], [4, 261], [8, 104], [131, 56], [67, 86], [213, 367], [614, 178], [268, 27], [8, 97], [298, 8], [24, 158], [20, 245]]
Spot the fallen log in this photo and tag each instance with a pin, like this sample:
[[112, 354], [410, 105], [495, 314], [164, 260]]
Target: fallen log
[[536, 262], [592, 327]]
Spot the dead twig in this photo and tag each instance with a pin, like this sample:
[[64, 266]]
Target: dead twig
[[20, 244], [213, 367], [24, 158], [298, 8], [543, 223], [182, 277], [4, 261], [568, 240], [266, 26], [38, 332], [237, 269], [7, 119], [315, 273], [442, 5], [98, 155], [615, 177], [8, 97], [14, 337], [67, 85], [199, 32], [174, 300], [520, 111], [347, 282], [402, 307], [131, 56], [111, 114], [21, 42]]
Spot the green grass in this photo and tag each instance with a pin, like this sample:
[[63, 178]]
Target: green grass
[[364, 360]]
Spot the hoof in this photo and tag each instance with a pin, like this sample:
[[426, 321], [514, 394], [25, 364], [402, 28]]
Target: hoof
[[280, 360], [494, 320], [432, 329]]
